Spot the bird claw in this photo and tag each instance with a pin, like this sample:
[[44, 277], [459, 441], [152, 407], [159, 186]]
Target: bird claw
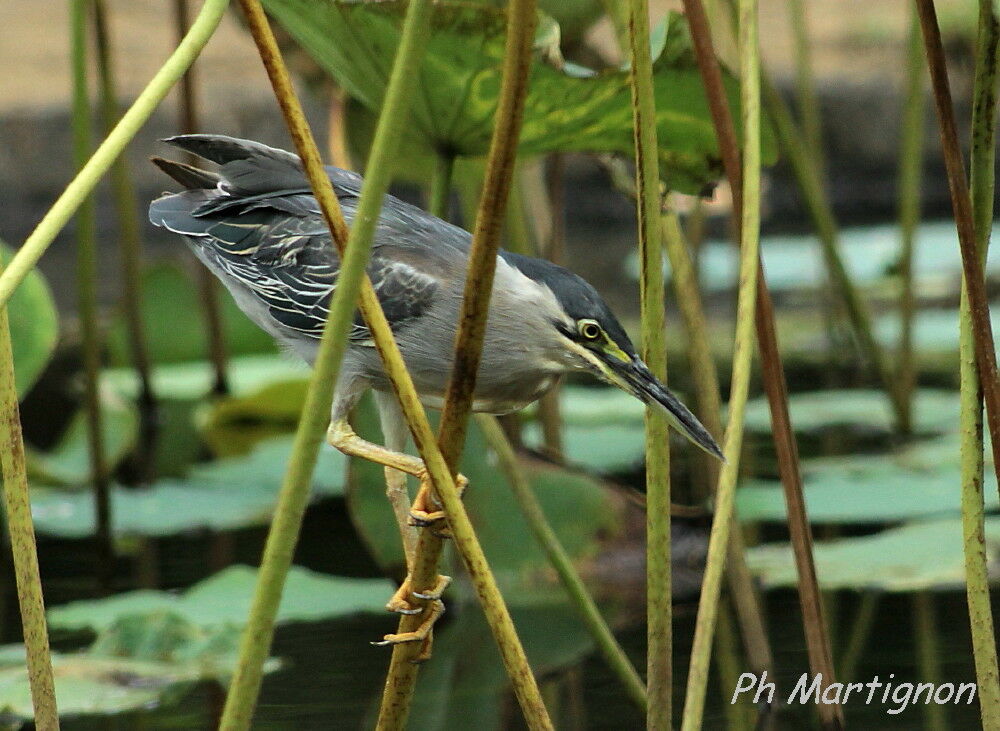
[[426, 511], [400, 601], [421, 634]]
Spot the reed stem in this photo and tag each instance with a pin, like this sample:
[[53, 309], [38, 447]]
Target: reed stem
[[86, 285], [17, 506], [129, 239], [659, 597], [697, 682], [805, 87], [208, 286], [928, 656], [608, 646], [971, 418], [910, 172], [79, 188]]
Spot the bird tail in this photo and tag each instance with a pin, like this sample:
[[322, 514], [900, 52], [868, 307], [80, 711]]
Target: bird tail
[[246, 167], [187, 175]]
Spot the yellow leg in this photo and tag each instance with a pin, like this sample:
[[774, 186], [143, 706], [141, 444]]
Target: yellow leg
[[421, 634]]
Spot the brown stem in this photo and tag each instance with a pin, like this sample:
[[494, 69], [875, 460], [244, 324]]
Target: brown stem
[[972, 266], [773, 375]]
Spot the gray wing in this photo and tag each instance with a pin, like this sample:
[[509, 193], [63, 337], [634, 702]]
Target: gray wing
[[278, 247]]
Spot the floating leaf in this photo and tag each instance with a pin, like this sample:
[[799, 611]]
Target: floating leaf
[[934, 411], [174, 319], [225, 495], [567, 108], [915, 557], [34, 326], [68, 463], [233, 425], [921, 481], [224, 599], [191, 381]]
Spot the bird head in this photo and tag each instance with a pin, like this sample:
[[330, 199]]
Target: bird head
[[591, 339]]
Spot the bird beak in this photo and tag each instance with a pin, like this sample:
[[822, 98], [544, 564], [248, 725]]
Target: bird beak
[[634, 377]]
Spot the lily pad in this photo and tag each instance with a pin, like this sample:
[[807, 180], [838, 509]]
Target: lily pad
[[567, 108], [174, 320], [921, 481], [225, 495], [934, 412], [68, 463], [190, 381], [224, 599], [34, 326], [233, 425], [915, 557]]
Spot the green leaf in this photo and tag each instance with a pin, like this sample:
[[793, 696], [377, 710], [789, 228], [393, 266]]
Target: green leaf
[[224, 600], [68, 463], [233, 425], [34, 326], [567, 108], [583, 513], [918, 482], [174, 319], [915, 557], [224, 495], [192, 380]]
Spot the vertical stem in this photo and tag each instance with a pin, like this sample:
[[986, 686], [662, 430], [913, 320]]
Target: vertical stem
[[659, 610], [859, 635], [694, 703], [980, 218], [130, 244], [441, 185], [805, 88], [928, 656], [208, 287], [17, 506], [80, 187], [613, 654], [554, 250], [86, 283], [773, 376], [910, 169]]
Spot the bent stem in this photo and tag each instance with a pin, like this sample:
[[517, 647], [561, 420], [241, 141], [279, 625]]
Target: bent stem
[[659, 599], [973, 531], [86, 285], [694, 702], [79, 188], [613, 654], [17, 506]]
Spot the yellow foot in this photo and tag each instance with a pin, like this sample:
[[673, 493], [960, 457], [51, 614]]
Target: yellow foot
[[426, 511], [400, 602], [421, 634]]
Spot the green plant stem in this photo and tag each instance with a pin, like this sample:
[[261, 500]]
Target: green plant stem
[[742, 354], [928, 656], [659, 598], [706, 379], [910, 172], [129, 237], [805, 88], [775, 386], [739, 715], [441, 185], [17, 506], [86, 284], [971, 395], [521, 20], [857, 640], [613, 654], [80, 187], [208, 285]]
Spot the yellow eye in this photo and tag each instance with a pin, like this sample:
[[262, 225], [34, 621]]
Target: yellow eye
[[590, 330]]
